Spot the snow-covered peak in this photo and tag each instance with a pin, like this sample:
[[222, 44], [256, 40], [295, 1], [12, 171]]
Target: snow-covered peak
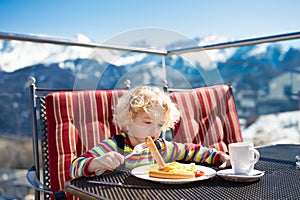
[[274, 128], [218, 55], [129, 59], [212, 39], [15, 55], [262, 48], [82, 38]]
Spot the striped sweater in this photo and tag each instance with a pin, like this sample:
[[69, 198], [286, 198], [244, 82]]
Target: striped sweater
[[170, 151]]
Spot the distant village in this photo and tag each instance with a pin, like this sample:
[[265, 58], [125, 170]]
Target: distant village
[[283, 95]]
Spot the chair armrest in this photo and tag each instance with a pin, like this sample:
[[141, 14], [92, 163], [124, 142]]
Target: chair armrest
[[37, 185]]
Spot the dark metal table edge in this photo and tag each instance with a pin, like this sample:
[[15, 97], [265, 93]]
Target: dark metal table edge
[[69, 188]]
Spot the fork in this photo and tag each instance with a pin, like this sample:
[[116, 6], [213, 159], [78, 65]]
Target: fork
[[136, 150]]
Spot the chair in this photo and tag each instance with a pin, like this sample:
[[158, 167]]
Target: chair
[[70, 123], [208, 117], [74, 121]]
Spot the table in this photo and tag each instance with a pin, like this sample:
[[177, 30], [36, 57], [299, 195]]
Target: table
[[281, 181]]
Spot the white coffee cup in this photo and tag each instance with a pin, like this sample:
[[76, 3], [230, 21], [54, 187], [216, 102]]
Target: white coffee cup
[[243, 157]]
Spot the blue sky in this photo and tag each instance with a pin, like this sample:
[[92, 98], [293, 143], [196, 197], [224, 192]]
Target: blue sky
[[100, 20]]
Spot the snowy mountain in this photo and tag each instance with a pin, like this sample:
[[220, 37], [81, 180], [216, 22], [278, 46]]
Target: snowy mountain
[[271, 129], [15, 55], [220, 55]]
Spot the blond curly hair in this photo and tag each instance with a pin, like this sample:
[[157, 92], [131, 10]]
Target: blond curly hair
[[144, 99]]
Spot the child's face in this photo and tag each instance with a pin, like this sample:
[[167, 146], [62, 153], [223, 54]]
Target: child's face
[[147, 124]]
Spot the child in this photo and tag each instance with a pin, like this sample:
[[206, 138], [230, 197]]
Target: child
[[141, 112]]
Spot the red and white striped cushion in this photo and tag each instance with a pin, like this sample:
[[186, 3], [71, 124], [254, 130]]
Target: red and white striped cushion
[[208, 117], [76, 121]]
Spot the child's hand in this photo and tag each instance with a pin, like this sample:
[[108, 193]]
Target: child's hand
[[225, 160], [110, 161]]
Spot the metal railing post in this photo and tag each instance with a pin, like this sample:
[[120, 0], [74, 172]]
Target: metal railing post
[[34, 131]]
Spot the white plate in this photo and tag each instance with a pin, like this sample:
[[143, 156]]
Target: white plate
[[142, 172], [228, 174]]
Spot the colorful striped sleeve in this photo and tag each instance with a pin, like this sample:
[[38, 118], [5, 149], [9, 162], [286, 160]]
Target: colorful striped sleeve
[[79, 165], [172, 151]]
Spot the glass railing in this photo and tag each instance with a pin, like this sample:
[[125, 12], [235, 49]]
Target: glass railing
[[264, 73]]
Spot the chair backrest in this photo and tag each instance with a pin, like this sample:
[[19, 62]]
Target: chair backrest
[[79, 120], [208, 117], [76, 121]]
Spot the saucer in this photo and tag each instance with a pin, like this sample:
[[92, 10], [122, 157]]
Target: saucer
[[229, 175]]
